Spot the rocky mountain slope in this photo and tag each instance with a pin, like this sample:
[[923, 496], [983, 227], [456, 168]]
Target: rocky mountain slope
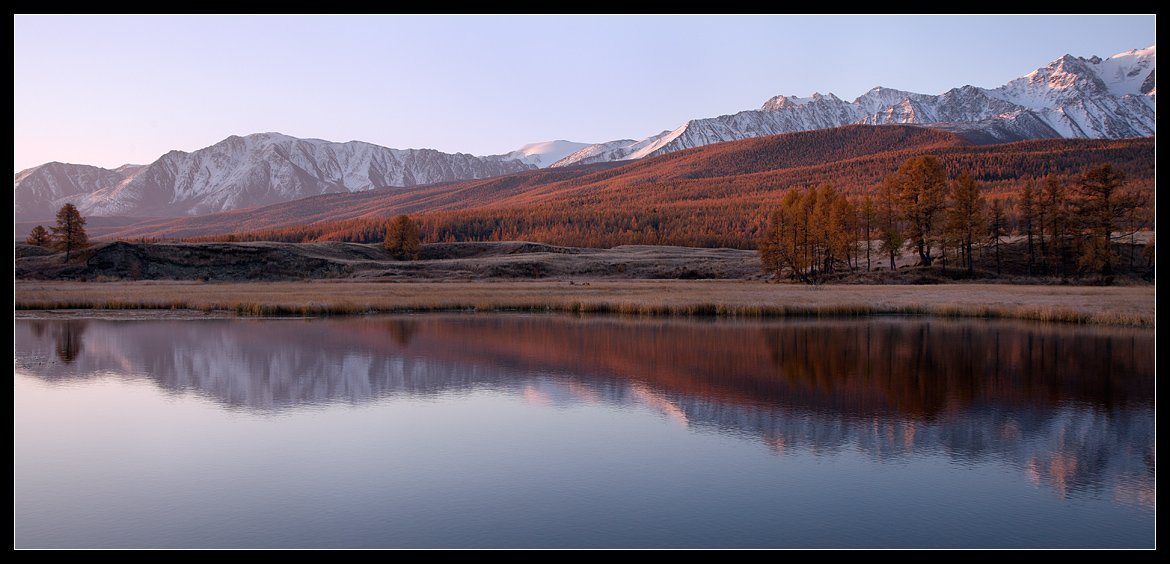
[[243, 172]]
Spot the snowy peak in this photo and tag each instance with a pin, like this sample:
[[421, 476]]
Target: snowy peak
[[785, 102], [1069, 97], [879, 98], [780, 102], [545, 153]]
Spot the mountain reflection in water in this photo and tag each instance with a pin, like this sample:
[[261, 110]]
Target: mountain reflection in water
[[1071, 407]]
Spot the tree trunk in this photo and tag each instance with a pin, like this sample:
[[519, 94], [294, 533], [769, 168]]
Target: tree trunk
[[998, 269], [970, 259], [922, 255]]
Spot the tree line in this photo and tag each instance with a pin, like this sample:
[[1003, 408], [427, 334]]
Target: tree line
[[1068, 227], [718, 197]]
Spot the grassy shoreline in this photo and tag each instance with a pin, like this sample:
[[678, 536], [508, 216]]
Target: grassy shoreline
[[1132, 306]]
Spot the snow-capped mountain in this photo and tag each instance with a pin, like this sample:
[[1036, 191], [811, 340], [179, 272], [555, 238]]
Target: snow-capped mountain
[[1070, 97], [241, 172], [39, 191], [544, 154]]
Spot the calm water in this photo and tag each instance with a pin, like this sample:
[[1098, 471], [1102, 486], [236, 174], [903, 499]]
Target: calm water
[[535, 431]]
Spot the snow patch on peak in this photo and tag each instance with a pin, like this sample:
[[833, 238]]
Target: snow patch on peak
[[1148, 52], [780, 102], [545, 153], [1127, 73], [616, 150]]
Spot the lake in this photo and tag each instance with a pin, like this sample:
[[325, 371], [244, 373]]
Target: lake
[[558, 431]]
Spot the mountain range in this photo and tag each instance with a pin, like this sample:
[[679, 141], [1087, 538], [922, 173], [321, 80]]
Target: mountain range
[[713, 196], [1070, 97]]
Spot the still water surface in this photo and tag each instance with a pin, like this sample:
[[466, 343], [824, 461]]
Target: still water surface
[[548, 431]]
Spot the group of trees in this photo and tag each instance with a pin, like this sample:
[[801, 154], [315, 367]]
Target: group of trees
[[68, 235], [812, 232], [817, 231]]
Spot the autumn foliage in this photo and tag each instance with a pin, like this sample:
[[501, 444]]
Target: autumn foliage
[[717, 196], [817, 231], [39, 237], [69, 233], [402, 238]]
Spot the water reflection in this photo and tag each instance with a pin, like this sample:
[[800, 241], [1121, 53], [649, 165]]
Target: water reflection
[[67, 338], [1071, 408]]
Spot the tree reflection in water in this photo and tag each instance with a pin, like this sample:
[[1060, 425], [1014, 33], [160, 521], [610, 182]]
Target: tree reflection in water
[[1071, 407]]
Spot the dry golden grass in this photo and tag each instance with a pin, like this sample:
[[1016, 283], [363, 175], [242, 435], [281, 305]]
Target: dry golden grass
[[1075, 304]]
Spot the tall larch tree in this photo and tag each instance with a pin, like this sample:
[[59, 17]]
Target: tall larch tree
[[1140, 216], [1053, 219], [996, 229], [867, 217], [402, 238], [842, 223], [69, 233], [922, 184], [1101, 206], [889, 220], [1029, 210], [965, 217]]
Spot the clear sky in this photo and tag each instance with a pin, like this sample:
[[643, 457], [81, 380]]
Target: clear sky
[[108, 90]]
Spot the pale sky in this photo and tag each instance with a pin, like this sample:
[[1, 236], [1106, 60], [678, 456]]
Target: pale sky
[[110, 90]]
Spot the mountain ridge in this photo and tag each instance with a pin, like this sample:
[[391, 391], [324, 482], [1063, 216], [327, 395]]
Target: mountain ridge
[[1071, 97]]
